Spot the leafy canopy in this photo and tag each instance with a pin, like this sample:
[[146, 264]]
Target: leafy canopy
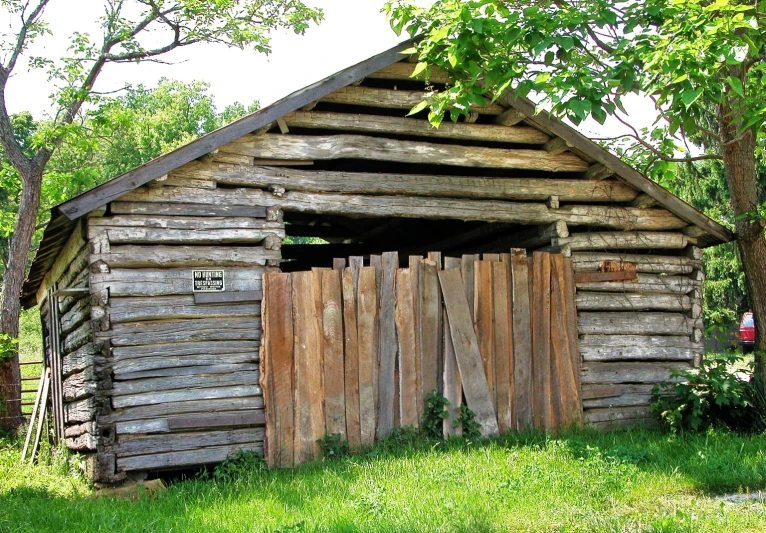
[[585, 56]]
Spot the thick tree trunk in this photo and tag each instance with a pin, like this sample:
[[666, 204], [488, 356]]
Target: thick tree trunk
[[13, 280], [738, 152]]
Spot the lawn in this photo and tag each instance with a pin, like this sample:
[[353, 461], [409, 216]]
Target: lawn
[[641, 480]]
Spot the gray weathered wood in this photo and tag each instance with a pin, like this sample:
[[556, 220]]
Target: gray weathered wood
[[169, 281], [227, 297], [252, 418], [412, 126], [203, 329], [635, 323], [201, 456], [653, 264], [637, 347], [132, 256], [159, 397], [324, 147], [75, 316], [440, 208], [187, 223], [128, 235], [155, 411], [80, 411], [623, 240], [651, 283], [78, 338], [212, 368], [654, 372], [388, 345], [187, 209], [135, 309], [147, 364], [522, 339], [80, 385], [123, 353], [621, 416], [627, 301], [192, 381], [423, 185]]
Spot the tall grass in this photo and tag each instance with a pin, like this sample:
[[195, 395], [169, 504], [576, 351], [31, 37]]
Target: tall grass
[[641, 480]]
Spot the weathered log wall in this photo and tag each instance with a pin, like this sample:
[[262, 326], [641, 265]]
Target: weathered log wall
[[180, 368]]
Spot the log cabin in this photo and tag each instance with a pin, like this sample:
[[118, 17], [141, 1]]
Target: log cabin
[[150, 285]]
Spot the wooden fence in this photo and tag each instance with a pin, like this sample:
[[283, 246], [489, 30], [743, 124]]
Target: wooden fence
[[356, 351]]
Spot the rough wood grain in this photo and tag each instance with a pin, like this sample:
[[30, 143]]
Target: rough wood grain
[[132, 256], [148, 444], [153, 412], [530, 189], [607, 301], [352, 369], [185, 330], [502, 349], [653, 264], [655, 372], [80, 385], [123, 353], [451, 382], [201, 456], [134, 309], [522, 340], [542, 410], [187, 209], [199, 380], [651, 283], [212, 368], [430, 329], [405, 333], [332, 329], [637, 347], [149, 364], [412, 126], [635, 323], [367, 309], [128, 235], [160, 397], [80, 359], [466, 346], [483, 322], [388, 345], [168, 281], [623, 240], [324, 147]]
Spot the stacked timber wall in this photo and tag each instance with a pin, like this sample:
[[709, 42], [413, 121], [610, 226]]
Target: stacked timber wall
[[357, 351], [183, 365]]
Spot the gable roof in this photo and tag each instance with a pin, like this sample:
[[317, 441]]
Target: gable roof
[[64, 216]]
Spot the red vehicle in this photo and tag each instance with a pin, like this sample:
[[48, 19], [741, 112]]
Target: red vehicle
[[747, 332]]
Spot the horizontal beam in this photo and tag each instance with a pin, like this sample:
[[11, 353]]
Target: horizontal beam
[[427, 208], [568, 190], [403, 71], [414, 126], [329, 147], [613, 240]]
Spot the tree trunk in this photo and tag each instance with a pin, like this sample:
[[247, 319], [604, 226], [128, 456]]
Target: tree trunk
[[13, 280], [738, 152]]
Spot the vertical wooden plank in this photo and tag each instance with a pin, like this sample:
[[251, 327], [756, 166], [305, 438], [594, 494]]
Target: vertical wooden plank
[[352, 387], [376, 262], [355, 262], [573, 337], [414, 262], [405, 332], [506, 260], [277, 368], [490, 257], [563, 385], [502, 346], [452, 386], [468, 275], [484, 321], [436, 257], [309, 413], [522, 340], [367, 310], [332, 333], [388, 346], [430, 304], [339, 263], [541, 334], [469, 362]]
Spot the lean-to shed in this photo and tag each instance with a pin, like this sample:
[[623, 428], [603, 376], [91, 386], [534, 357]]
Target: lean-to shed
[[150, 285]]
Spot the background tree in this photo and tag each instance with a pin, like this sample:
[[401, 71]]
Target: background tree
[[131, 31], [584, 56]]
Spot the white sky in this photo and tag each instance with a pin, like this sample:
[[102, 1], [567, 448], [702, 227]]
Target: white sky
[[352, 31]]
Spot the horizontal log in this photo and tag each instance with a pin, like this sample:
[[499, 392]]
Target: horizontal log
[[195, 381], [80, 359], [80, 411], [78, 314], [251, 417], [123, 353], [188, 223], [430, 208], [415, 127], [158, 397], [390, 99], [620, 416], [629, 301], [624, 400], [140, 445], [623, 240], [174, 307], [187, 370], [187, 209], [80, 429], [328, 147], [131, 256], [74, 269], [120, 235], [80, 385], [147, 364], [635, 323], [610, 276], [168, 281], [78, 338], [82, 443], [638, 347], [653, 264], [71, 249], [80, 282], [656, 372], [538, 236], [599, 391], [651, 283], [567, 190], [227, 297], [152, 412], [403, 70], [190, 330], [210, 455]]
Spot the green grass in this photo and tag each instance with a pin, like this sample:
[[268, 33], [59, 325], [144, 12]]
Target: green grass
[[642, 480]]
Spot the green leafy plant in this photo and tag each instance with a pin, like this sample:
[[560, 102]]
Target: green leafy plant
[[333, 446], [434, 414], [242, 465], [467, 420], [709, 396], [8, 346]]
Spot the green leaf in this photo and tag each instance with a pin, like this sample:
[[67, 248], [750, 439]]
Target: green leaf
[[736, 85], [418, 108]]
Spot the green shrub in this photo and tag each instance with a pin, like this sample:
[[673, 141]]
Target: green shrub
[[242, 465], [711, 395], [467, 420], [333, 446], [434, 414]]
